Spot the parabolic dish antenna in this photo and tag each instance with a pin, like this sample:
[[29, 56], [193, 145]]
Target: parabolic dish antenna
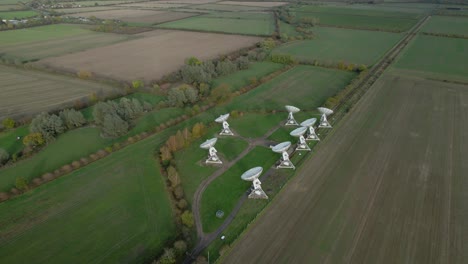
[[325, 111], [209, 143], [309, 122], [292, 109], [281, 147], [252, 174], [298, 131], [222, 118]]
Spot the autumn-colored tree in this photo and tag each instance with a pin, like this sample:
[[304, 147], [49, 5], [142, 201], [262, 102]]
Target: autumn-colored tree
[[8, 123], [33, 140], [198, 130], [187, 219], [166, 154], [21, 184], [180, 140], [187, 136], [173, 176], [171, 143]]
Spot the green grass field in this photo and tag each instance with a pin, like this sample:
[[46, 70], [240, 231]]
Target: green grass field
[[436, 57], [190, 161], [306, 87], [447, 25], [17, 14], [242, 78], [224, 192], [358, 18], [53, 40], [336, 44], [114, 210], [74, 145], [252, 125], [288, 29], [9, 142], [227, 8], [262, 26]]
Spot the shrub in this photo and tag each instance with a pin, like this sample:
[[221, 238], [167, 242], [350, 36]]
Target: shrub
[[182, 204], [72, 118], [137, 84], [94, 157], [173, 176], [47, 177], [220, 94], [179, 192], [101, 153], [66, 168], [48, 125], [114, 126], [14, 191], [168, 257], [33, 140], [4, 156], [37, 181], [225, 67], [187, 219], [108, 149], [76, 164], [283, 59], [8, 123], [4, 196], [82, 74], [21, 184], [180, 247]]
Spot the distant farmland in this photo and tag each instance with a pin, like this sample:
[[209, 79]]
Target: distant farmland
[[347, 45], [447, 25], [245, 23], [28, 92], [436, 57], [36, 43], [148, 58], [388, 186], [359, 18]]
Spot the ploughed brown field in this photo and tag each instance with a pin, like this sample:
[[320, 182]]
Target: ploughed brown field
[[388, 186], [156, 54], [260, 4]]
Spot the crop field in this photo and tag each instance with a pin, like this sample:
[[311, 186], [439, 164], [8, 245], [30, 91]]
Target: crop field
[[356, 18], [10, 7], [114, 210], [228, 8], [224, 192], [376, 192], [447, 25], [137, 16], [242, 78], [154, 5], [160, 52], [259, 4], [288, 29], [85, 9], [99, 3], [31, 44], [306, 87], [17, 14], [436, 57], [362, 46], [27, 92], [259, 24]]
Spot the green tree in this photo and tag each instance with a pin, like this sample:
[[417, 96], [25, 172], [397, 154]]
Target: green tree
[[225, 67], [33, 140], [48, 125], [8, 123], [137, 84], [168, 257], [4, 156], [72, 118], [180, 247], [221, 93], [242, 63], [187, 219], [147, 107], [101, 109], [114, 126], [193, 61], [21, 184]]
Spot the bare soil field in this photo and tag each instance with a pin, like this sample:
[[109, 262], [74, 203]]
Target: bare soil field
[[259, 4], [160, 52], [155, 5], [85, 9], [388, 186], [29, 92]]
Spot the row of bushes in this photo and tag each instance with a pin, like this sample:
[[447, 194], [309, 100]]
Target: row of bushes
[[335, 65], [445, 35], [184, 217], [335, 100]]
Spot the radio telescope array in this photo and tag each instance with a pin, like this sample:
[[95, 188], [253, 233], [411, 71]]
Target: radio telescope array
[[212, 156], [299, 132], [323, 119], [311, 135], [252, 175], [226, 131], [291, 111], [283, 149]]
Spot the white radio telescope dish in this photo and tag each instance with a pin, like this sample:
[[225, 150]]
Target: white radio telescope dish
[[311, 135], [309, 122], [252, 174], [292, 109], [281, 147], [298, 131], [325, 111], [323, 119], [209, 143], [222, 118]]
